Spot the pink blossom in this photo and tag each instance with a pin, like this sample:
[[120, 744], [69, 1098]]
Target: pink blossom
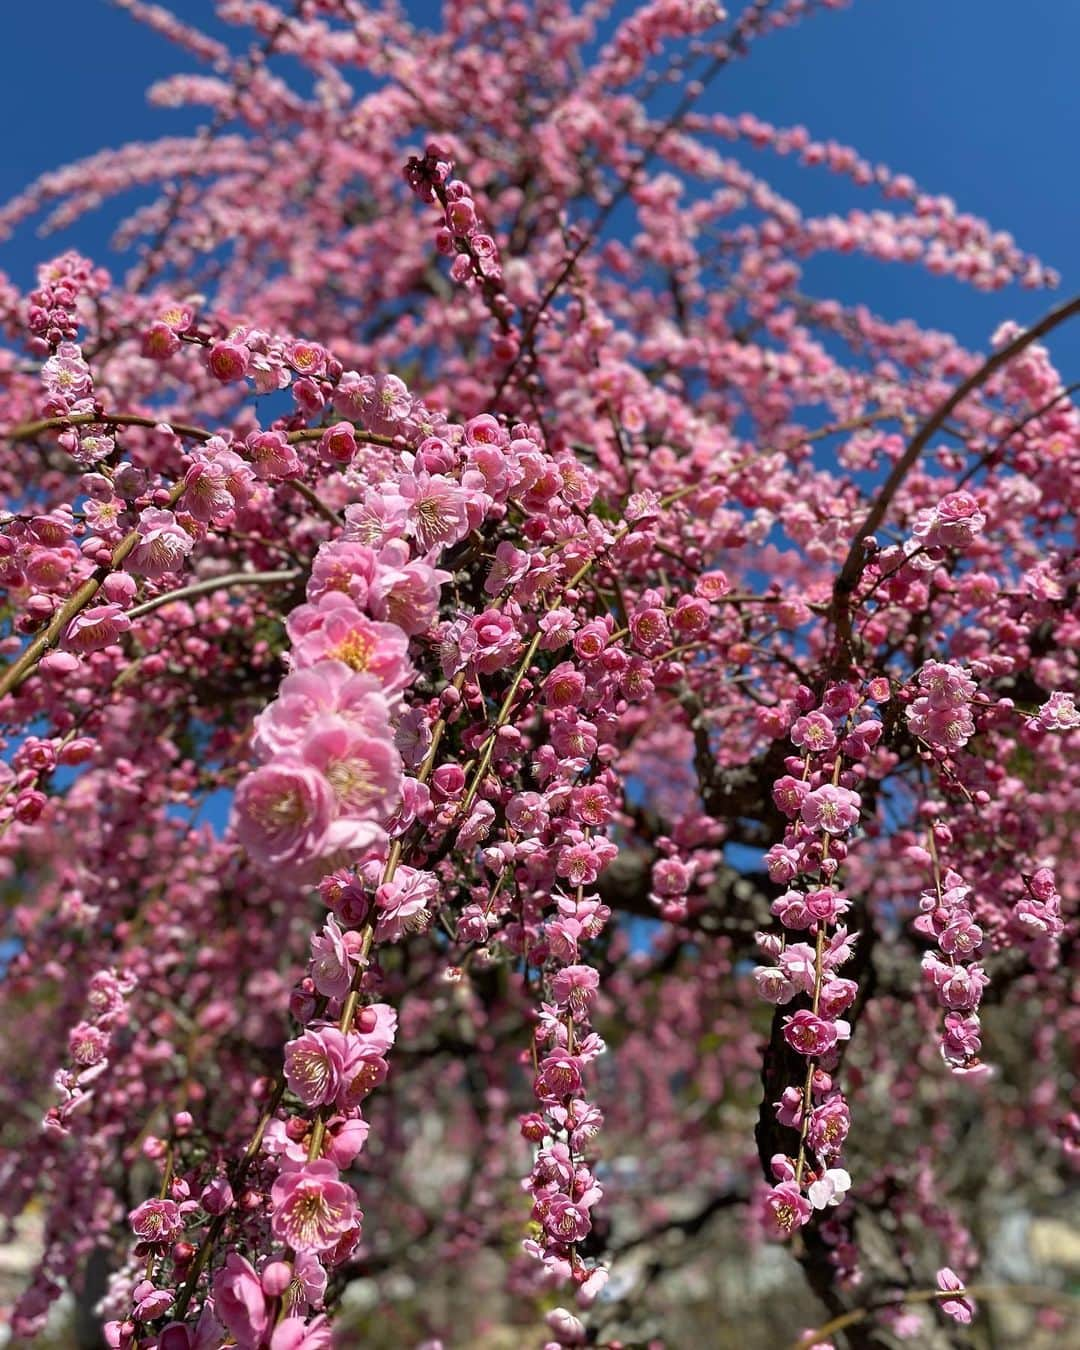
[[296, 1334], [228, 360], [149, 1302], [343, 565], [814, 732], [405, 592], [328, 687], [961, 1309], [156, 1220], [282, 813], [575, 986], [496, 642], [96, 627], [334, 629], [362, 769], [363, 1071], [435, 510], [787, 1207], [1058, 713], [832, 809], [773, 985], [315, 1065], [311, 1208], [239, 1302], [812, 1035], [405, 904], [828, 1126], [163, 545], [331, 964]]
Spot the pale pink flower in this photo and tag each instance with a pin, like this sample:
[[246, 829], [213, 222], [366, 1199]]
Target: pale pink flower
[[376, 1025], [334, 629], [328, 687], [363, 770], [405, 591], [239, 1302], [163, 545], [343, 565], [830, 1188], [96, 627], [282, 813], [405, 904], [315, 1065], [832, 809], [773, 985], [311, 1208], [436, 511], [962, 1309], [331, 965], [207, 495]]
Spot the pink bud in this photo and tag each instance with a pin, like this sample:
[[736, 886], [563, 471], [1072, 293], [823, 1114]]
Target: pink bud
[[275, 1278]]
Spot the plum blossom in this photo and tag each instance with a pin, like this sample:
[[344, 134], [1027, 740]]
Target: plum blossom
[[282, 813], [960, 1308], [163, 545], [311, 1209]]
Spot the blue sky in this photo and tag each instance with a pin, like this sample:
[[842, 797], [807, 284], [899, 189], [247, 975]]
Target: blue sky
[[975, 98]]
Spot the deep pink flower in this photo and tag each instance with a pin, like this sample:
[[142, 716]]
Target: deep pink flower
[[812, 1035], [228, 361], [496, 642], [156, 1220], [813, 732], [564, 1219], [576, 987], [363, 1071], [787, 1207], [315, 1065], [828, 1126]]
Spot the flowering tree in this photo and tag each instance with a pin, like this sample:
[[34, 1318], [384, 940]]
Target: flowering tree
[[508, 539]]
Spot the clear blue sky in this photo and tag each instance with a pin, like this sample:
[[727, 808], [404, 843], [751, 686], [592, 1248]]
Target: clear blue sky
[[975, 98]]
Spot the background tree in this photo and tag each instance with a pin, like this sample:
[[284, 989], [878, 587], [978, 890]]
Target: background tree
[[640, 688]]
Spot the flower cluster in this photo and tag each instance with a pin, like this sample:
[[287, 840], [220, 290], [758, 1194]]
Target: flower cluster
[[953, 971], [836, 738]]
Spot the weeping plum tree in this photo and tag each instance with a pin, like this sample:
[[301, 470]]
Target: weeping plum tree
[[462, 483]]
